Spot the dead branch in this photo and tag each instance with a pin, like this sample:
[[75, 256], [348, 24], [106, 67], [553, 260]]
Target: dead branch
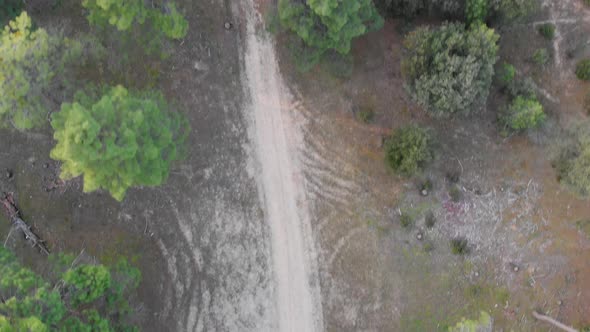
[[553, 322], [12, 212]]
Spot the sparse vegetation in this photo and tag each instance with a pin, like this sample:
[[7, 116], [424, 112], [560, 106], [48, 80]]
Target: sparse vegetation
[[547, 30], [449, 70], [409, 150], [583, 70], [118, 140], [459, 246]]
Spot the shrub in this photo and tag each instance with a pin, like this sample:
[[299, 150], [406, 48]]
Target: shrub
[[547, 30], [409, 149], [117, 141], [572, 162], [455, 194], [459, 246], [327, 25], [506, 74], [541, 57], [429, 219], [365, 115], [449, 70], [406, 220], [483, 323], [513, 9], [523, 113], [476, 10], [587, 103], [522, 87], [164, 17], [583, 69], [32, 68]]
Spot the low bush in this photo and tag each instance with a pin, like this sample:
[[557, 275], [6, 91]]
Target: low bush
[[583, 69], [455, 194], [541, 57], [409, 149], [547, 30], [506, 74], [459, 246], [406, 220], [523, 113], [430, 219], [572, 160]]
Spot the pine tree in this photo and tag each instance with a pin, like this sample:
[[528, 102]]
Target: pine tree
[[33, 64], [324, 25], [78, 298], [117, 141]]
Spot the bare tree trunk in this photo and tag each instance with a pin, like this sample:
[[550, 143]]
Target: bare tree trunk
[[553, 322], [12, 212]]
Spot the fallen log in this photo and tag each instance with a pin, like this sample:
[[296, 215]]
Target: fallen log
[[13, 214], [553, 322]]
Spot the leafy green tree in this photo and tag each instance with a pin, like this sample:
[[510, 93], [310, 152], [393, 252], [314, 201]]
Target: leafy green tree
[[164, 16], [32, 67], [523, 113], [572, 161], [409, 149], [449, 70], [324, 25], [78, 298], [119, 140], [412, 8], [583, 70]]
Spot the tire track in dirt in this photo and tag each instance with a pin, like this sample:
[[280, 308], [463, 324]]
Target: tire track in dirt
[[277, 140]]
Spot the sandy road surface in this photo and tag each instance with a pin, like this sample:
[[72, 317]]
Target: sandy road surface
[[275, 136]]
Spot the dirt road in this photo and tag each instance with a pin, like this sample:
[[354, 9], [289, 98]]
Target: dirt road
[[276, 136]]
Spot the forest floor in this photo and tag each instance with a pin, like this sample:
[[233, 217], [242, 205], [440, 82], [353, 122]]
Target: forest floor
[[210, 255], [526, 249]]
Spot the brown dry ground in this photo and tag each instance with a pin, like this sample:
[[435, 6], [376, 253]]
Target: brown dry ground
[[376, 275], [199, 239]]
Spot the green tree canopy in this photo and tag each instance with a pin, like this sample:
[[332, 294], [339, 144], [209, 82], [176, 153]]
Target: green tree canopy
[[76, 298], [118, 140], [163, 15], [33, 64], [324, 25], [449, 70]]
